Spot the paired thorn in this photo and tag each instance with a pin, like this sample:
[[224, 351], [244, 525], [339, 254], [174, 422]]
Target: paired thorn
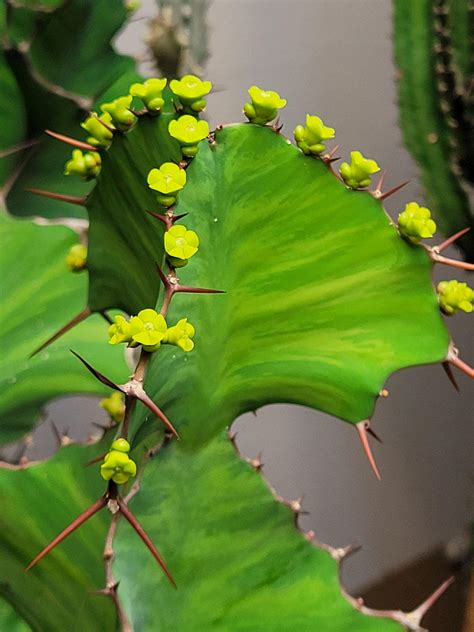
[[71, 199], [451, 240], [67, 327], [330, 157], [172, 286], [168, 219], [132, 389], [363, 429], [454, 263], [70, 141], [384, 196]]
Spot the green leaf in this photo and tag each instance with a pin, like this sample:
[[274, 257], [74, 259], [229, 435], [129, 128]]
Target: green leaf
[[13, 117], [39, 294], [9, 619], [37, 503]]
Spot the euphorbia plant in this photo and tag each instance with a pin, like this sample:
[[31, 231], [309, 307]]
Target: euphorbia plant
[[321, 297]]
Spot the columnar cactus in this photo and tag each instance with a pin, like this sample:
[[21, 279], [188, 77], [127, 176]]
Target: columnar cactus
[[321, 297]]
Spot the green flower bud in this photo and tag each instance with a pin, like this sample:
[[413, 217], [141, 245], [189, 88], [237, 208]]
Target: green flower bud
[[76, 258], [120, 331], [114, 406], [118, 466], [309, 139], [454, 296], [150, 92], [168, 179], [119, 110], [264, 106], [357, 174], [148, 328], [415, 223], [100, 136], [191, 90], [121, 445], [180, 243], [87, 165], [181, 335], [188, 131], [132, 5]]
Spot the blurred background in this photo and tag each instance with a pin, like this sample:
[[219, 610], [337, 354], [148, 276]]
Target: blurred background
[[334, 58]]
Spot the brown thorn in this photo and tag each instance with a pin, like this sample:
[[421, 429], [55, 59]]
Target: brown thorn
[[96, 460], [99, 376], [451, 239], [373, 434], [103, 123], [70, 141], [20, 147], [163, 218], [384, 196], [150, 404], [131, 519], [83, 517], [449, 372], [71, 199], [377, 192], [454, 263], [163, 277], [197, 290], [176, 218], [106, 317], [361, 428], [67, 327], [415, 617], [462, 366]]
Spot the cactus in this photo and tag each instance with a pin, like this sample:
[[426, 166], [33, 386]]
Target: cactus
[[307, 293], [434, 54]]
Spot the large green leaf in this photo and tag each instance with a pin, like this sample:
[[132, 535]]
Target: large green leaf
[[39, 294]]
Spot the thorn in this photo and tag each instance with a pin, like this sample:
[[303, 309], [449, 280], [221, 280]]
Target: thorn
[[449, 372], [20, 147], [373, 434], [451, 240], [106, 317], [83, 517], [176, 218], [71, 199], [150, 404], [128, 515], [462, 366], [197, 290], [362, 428], [384, 196], [377, 192], [67, 327], [454, 263], [343, 552], [329, 157], [415, 617], [70, 141], [96, 460], [256, 463], [97, 374], [166, 219], [102, 122]]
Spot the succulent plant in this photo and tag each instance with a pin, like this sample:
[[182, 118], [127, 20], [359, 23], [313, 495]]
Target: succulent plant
[[298, 288]]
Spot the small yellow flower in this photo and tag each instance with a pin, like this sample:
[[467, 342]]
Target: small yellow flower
[[100, 136], [181, 335], [150, 92], [76, 258], [87, 165], [181, 243], [309, 139], [148, 328], [118, 466], [191, 90], [415, 223], [454, 296], [114, 406], [120, 331], [188, 131], [119, 110], [168, 179], [357, 174], [264, 105]]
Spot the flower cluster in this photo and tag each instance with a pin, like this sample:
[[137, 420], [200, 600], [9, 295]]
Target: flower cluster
[[76, 259], [190, 90], [188, 131], [415, 223], [100, 130], [119, 111], [167, 180], [150, 330], [114, 406], [87, 165], [117, 465], [150, 92], [357, 174], [264, 105], [309, 139], [454, 296]]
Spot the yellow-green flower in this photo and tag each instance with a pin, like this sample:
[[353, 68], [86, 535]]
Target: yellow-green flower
[[264, 105], [357, 174], [309, 139], [415, 223], [191, 90], [454, 296], [87, 165], [181, 244], [76, 258], [120, 331], [100, 136], [150, 92], [114, 406], [117, 465], [148, 328], [119, 110], [168, 180], [188, 131], [181, 335]]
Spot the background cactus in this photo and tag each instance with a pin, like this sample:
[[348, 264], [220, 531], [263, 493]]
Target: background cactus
[[323, 300], [434, 53]]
